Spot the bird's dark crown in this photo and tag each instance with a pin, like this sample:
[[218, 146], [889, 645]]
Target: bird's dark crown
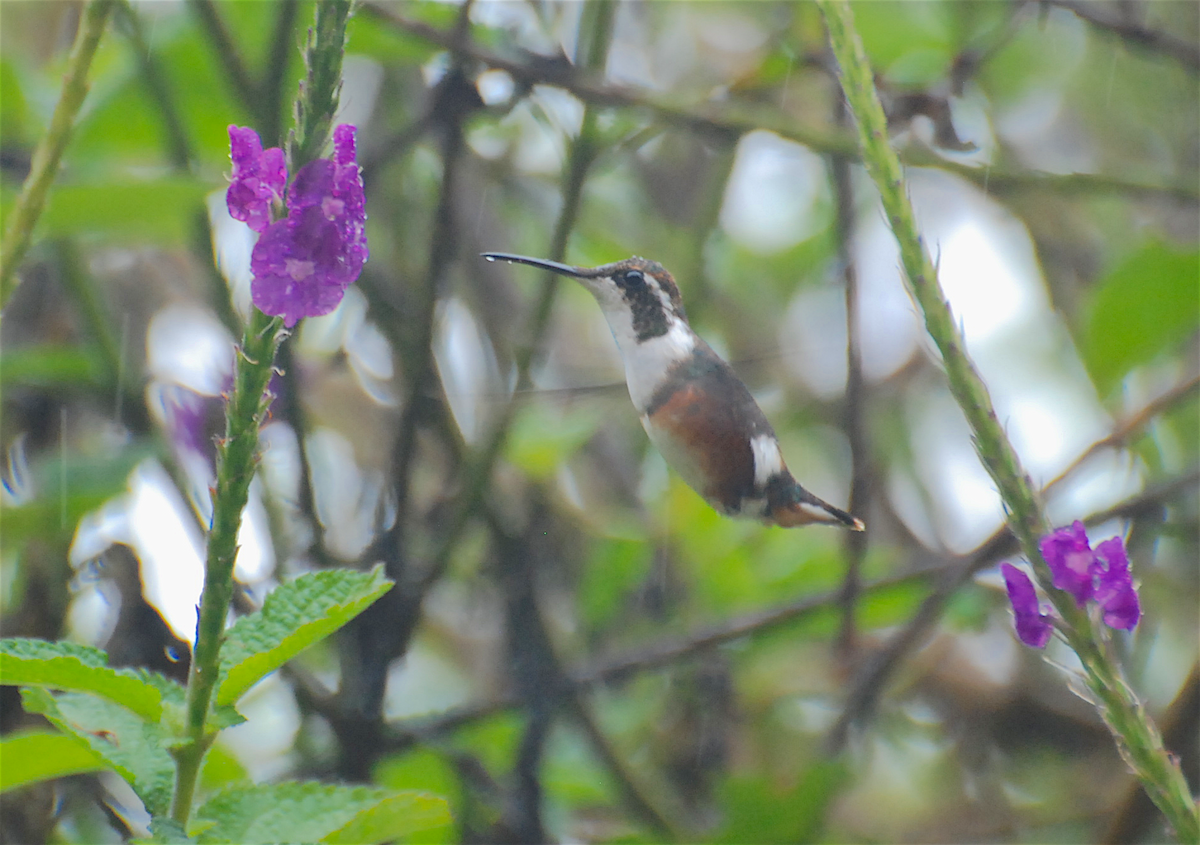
[[618, 269]]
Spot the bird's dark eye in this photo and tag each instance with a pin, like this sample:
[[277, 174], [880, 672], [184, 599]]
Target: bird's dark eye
[[634, 278]]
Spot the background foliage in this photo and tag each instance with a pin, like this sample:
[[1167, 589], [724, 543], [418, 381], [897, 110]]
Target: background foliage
[[577, 647]]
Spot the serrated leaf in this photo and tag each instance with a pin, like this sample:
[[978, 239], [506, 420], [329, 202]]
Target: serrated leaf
[[164, 831], [1145, 307], [294, 616], [317, 812], [41, 755], [68, 666], [398, 816], [134, 748]]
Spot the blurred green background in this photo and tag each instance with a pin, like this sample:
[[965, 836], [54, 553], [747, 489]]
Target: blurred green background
[[578, 648]]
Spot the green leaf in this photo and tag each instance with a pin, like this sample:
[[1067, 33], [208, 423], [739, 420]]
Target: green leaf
[[317, 812], [1147, 306], [67, 666], [51, 364], [42, 755], [294, 616], [758, 811], [160, 211], [398, 816], [164, 831], [543, 437], [616, 568], [136, 749]]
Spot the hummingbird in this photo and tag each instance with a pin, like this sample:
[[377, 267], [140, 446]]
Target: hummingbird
[[693, 406]]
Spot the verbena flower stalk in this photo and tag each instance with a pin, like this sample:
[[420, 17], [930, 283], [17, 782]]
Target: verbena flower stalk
[[302, 265], [1137, 738]]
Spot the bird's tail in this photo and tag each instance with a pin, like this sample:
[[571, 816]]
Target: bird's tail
[[803, 508]]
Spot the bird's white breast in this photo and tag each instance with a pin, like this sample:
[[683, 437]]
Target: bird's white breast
[[647, 363]]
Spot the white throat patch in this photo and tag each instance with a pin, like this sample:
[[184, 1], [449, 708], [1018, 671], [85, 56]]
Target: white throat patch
[[648, 361]]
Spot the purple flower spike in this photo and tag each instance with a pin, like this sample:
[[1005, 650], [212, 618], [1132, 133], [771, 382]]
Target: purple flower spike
[[302, 265], [259, 177], [1114, 586], [1070, 559], [1033, 626]]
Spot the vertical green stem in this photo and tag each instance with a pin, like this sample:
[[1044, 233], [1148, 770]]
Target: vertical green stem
[[237, 452], [237, 458], [49, 151], [1137, 738]]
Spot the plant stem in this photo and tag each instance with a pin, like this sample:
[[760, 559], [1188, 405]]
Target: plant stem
[[48, 154], [237, 458], [246, 406], [1137, 738]]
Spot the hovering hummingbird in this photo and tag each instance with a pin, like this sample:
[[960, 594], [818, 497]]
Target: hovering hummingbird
[[695, 409]]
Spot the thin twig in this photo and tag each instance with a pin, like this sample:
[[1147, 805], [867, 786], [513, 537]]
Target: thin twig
[[48, 154], [271, 94], [861, 481], [1132, 32], [726, 120], [154, 76], [229, 57]]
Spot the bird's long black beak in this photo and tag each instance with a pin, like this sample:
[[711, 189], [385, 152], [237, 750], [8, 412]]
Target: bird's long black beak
[[555, 266]]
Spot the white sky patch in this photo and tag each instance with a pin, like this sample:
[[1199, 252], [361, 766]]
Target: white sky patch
[[264, 741], [233, 242], [966, 505], [812, 339], [986, 294], [170, 547], [347, 495], [467, 366], [495, 87], [771, 193], [188, 346], [156, 522], [361, 80]]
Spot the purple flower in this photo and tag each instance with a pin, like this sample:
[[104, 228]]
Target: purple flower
[[1114, 586], [1033, 626], [303, 263], [1101, 575], [258, 178], [1070, 559]]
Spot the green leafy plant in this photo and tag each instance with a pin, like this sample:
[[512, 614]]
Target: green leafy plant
[[147, 728], [132, 722]]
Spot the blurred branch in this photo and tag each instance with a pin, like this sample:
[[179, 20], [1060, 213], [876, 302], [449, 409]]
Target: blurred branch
[[1128, 428], [542, 683], [271, 94], [1134, 732], [874, 676], [46, 157], [1115, 18], [869, 683], [454, 99], [726, 120], [671, 650], [155, 78], [383, 633], [230, 58], [853, 418], [665, 652], [478, 471]]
